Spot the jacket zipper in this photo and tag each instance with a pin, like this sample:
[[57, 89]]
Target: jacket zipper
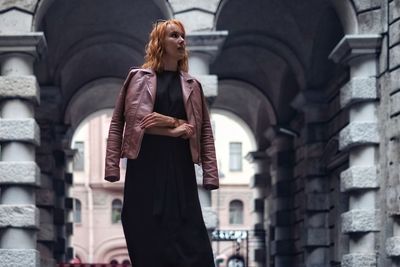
[[142, 131], [198, 135]]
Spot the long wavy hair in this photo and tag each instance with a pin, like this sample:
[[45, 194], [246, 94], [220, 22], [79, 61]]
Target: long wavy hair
[[155, 47]]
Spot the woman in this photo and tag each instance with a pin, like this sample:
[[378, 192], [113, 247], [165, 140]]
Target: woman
[[162, 125]]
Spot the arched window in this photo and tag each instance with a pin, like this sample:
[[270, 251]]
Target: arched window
[[77, 211], [236, 212], [126, 263], [114, 262], [116, 211]]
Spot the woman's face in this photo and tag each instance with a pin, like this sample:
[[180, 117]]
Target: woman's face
[[174, 42]]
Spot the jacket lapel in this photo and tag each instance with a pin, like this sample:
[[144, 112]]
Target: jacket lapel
[[151, 84], [187, 86]]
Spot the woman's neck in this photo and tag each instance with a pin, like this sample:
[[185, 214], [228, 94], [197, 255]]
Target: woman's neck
[[170, 64]]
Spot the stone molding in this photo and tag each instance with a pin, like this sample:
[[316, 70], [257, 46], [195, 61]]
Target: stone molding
[[24, 130], [26, 5], [359, 177], [393, 246], [360, 221], [207, 42], [19, 257], [254, 156], [33, 43], [359, 260], [20, 216], [358, 90], [25, 87], [358, 133], [19, 172], [362, 5], [356, 45]]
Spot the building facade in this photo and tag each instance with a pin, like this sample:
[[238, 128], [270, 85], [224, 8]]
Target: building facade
[[316, 82]]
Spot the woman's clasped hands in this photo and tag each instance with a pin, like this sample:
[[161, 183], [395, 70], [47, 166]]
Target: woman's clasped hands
[[177, 128]]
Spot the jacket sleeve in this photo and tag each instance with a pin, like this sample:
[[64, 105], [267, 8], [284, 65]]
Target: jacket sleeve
[[114, 140], [207, 149]]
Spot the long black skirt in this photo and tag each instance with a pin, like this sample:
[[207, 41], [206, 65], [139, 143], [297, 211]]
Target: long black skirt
[[161, 215]]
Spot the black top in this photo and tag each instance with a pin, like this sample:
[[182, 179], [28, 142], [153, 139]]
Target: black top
[[169, 100]]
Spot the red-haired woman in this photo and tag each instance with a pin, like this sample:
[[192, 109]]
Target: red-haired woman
[[161, 125]]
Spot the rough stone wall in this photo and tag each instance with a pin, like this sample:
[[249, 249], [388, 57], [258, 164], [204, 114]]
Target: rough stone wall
[[316, 185], [389, 116]]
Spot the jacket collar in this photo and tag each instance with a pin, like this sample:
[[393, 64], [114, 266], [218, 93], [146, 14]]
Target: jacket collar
[[186, 82], [186, 76]]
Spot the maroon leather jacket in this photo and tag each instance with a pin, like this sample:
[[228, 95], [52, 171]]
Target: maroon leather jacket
[[135, 101]]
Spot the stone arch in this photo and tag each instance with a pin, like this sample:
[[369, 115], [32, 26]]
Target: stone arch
[[346, 10], [277, 47], [130, 48], [41, 9], [101, 93], [257, 116], [43, 6]]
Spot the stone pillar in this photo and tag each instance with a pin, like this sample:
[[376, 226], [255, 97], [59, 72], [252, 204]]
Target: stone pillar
[[310, 175], [19, 135], [360, 137], [260, 184], [281, 212], [203, 47]]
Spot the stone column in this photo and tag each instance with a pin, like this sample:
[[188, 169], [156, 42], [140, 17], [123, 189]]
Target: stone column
[[281, 212], [260, 183], [360, 137], [311, 175], [19, 134], [203, 47]]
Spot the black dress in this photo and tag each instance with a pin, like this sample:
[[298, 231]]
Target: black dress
[[161, 215]]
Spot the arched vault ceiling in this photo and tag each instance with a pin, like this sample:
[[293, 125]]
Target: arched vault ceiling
[[280, 47], [92, 39]]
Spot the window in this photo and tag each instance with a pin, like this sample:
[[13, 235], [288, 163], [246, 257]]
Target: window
[[116, 211], [236, 212], [114, 262], [77, 211], [79, 157], [235, 156]]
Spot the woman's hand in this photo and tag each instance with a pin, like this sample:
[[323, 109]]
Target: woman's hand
[[184, 130], [155, 119]]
